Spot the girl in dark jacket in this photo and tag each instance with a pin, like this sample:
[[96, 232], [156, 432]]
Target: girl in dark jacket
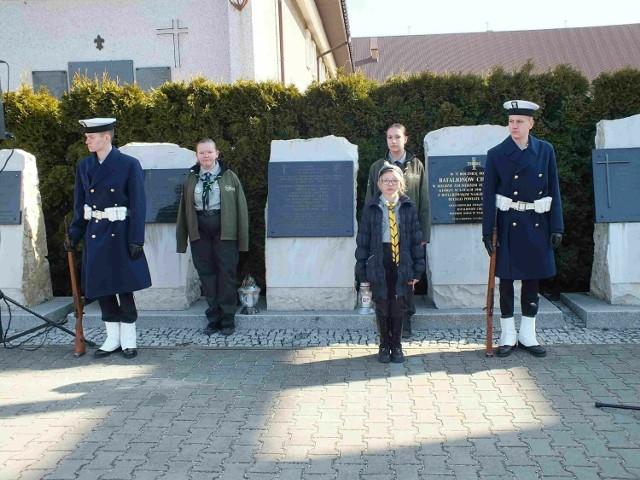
[[390, 257]]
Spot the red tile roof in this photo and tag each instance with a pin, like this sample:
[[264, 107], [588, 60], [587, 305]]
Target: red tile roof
[[591, 50]]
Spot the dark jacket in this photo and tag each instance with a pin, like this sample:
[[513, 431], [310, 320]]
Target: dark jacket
[[524, 246], [416, 177], [234, 214], [369, 265], [107, 267]]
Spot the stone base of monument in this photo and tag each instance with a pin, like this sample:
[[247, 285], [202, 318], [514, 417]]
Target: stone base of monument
[[597, 313], [55, 309], [427, 318]]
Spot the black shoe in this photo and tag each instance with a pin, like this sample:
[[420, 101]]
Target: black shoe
[[397, 355], [226, 331], [505, 350], [535, 350], [129, 352], [406, 328], [384, 355], [211, 328], [103, 353]]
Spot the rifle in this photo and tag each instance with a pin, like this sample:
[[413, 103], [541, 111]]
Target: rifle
[[491, 288], [78, 343]]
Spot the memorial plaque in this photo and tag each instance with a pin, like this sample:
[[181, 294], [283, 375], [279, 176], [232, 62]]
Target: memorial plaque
[[152, 77], [311, 199], [616, 180], [119, 70], [55, 81], [10, 196], [455, 188], [163, 188]]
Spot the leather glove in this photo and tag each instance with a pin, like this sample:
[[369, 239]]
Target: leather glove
[[69, 245], [135, 251], [556, 240], [488, 243]]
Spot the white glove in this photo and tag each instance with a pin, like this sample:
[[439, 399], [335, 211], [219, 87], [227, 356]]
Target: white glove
[[542, 205], [87, 212], [503, 203]]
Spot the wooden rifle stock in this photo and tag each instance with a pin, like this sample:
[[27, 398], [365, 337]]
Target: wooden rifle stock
[[78, 343], [491, 288]]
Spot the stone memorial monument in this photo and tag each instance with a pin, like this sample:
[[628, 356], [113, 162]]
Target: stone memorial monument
[[614, 299], [311, 225], [175, 283], [24, 268], [457, 264]]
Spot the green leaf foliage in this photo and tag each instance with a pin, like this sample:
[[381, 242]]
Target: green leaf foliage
[[245, 117]]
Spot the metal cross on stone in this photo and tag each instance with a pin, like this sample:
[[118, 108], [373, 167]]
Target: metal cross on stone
[[606, 164], [175, 31], [99, 41], [474, 163]]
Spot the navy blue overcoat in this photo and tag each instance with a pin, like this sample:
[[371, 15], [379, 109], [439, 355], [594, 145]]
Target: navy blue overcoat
[[524, 245], [107, 267]]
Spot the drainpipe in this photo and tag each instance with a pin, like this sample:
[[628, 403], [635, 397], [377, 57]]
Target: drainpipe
[[281, 39]]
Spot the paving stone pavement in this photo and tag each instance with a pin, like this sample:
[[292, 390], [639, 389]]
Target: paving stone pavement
[[319, 413]]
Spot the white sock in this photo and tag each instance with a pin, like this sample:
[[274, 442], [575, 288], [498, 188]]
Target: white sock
[[527, 335], [113, 337], [128, 335], [508, 334]]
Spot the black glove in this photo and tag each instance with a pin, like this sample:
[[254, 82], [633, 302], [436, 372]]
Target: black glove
[[135, 251], [556, 240], [69, 245], [488, 243]]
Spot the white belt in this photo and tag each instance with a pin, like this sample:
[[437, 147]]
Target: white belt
[[113, 214], [522, 206], [541, 205]]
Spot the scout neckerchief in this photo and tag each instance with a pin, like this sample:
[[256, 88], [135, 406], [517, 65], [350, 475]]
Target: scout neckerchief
[[207, 184]]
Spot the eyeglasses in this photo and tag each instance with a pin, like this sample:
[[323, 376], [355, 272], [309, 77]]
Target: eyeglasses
[[389, 182]]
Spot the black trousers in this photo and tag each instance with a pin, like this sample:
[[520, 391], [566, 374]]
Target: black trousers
[[125, 311], [529, 297], [390, 311], [216, 262]]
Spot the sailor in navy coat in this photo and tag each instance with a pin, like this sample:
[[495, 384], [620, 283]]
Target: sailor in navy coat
[[521, 191], [109, 212]]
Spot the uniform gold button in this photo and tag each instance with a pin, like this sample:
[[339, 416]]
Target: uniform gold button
[[539, 175], [113, 189], [97, 220], [93, 236], [537, 224], [113, 234], [95, 206], [539, 193], [92, 190], [514, 224], [516, 177], [115, 204], [515, 193]]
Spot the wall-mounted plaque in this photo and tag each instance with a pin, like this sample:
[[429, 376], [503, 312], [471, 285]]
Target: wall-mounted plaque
[[55, 81], [455, 188], [152, 77], [10, 195], [119, 70], [163, 188], [311, 199], [616, 180]]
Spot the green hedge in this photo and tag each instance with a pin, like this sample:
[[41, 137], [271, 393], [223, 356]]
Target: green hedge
[[245, 117]]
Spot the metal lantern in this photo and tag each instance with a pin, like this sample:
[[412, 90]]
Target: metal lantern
[[365, 300], [249, 293]]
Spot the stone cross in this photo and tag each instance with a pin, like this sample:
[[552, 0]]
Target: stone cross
[[606, 164], [175, 31], [474, 163]]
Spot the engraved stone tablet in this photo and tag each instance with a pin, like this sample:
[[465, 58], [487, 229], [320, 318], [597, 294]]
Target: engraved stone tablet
[[163, 188], [616, 176], [455, 188], [310, 199], [10, 212]]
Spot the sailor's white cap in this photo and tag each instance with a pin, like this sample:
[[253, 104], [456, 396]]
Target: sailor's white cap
[[520, 107], [93, 125]]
